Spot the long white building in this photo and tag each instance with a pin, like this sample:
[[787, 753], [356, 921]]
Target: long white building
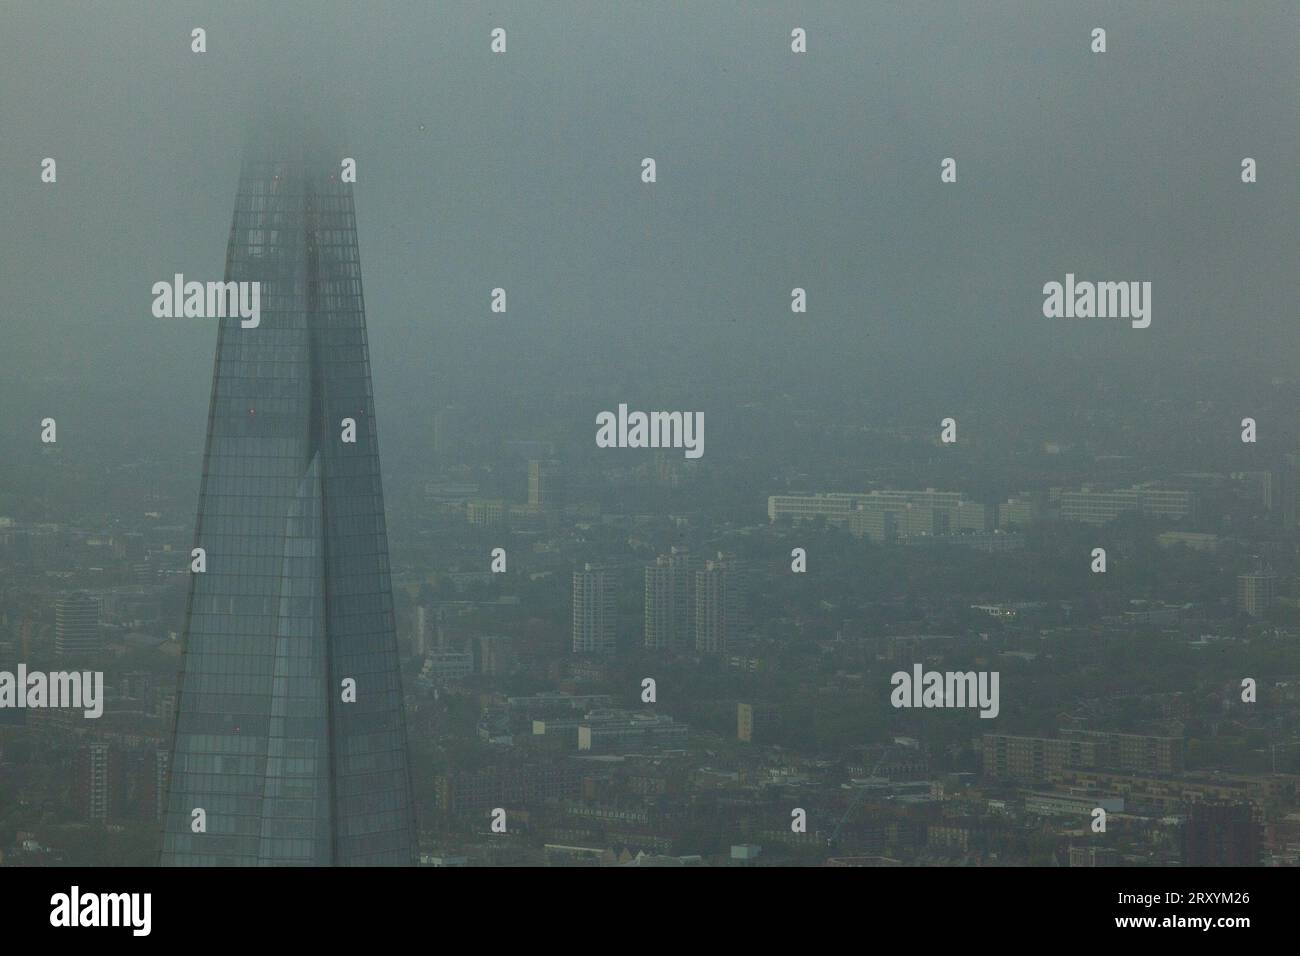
[[884, 515], [1099, 507]]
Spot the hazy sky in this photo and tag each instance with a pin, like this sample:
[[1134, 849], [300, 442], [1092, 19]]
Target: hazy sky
[[775, 170]]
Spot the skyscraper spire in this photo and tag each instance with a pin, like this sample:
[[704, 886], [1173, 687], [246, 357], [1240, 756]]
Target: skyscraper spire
[[290, 745]]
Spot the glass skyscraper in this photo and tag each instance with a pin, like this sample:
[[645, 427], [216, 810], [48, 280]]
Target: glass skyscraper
[[275, 761]]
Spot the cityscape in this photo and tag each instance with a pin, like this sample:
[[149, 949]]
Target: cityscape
[[977, 568], [642, 679]]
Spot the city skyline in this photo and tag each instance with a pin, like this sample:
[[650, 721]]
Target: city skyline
[[992, 556]]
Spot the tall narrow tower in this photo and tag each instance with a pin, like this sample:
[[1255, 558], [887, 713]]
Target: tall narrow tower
[[290, 743], [715, 604], [670, 600], [594, 611]]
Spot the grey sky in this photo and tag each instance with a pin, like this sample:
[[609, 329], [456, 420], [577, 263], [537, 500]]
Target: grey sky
[[775, 171]]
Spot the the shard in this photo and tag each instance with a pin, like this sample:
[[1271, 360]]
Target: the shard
[[290, 743]]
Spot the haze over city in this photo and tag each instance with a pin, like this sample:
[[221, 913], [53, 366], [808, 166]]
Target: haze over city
[[994, 333]]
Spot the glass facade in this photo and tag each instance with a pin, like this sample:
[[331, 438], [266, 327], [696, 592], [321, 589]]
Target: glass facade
[[295, 601]]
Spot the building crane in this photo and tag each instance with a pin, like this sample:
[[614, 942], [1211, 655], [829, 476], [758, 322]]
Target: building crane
[[854, 803]]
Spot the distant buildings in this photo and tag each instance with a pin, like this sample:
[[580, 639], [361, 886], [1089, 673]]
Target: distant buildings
[[1029, 759], [755, 723], [496, 655], [1222, 834], [1093, 856], [114, 783], [688, 603], [1099, 507], [1165, 794], [670, 600], [550, 704], [76, 625], [1260, 486], [1056, 804], [499, 513], [546, 485], [1019, 510], [617, 731], [715, 605], [444, 666], [515, 787], [555, 716], [92, 781], [885, 515], [421, 631], [485, 513], [1196, 541], [1141, 753], [1256, 592], [1289, 491], [990, 542], [594, 611]]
